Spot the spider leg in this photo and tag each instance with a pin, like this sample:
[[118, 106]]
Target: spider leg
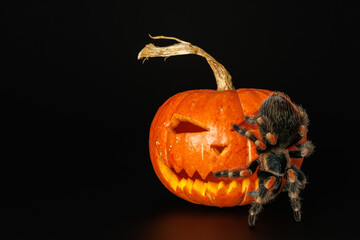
[[304, 122], [304, 116], [254, 120], [300, 176], [266, 130], [306, 150], [241, 173], [263, 123], [296, 181], [277, 186], [250, 120], [260, 144], [267, 182]]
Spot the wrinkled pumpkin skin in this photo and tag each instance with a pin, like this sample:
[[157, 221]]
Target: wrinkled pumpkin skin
[[191, 137]]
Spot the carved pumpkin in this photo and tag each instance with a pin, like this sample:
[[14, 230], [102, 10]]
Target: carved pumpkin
[[191, 136]]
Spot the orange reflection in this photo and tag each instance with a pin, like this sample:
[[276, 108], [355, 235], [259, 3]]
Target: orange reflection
[[197, 222]]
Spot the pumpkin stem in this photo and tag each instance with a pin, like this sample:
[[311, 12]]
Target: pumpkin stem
[[222, 76]]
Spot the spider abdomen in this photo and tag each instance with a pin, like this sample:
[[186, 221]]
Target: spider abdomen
[[283, 119]]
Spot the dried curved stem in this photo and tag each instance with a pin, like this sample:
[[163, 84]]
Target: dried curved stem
[[222, 76]]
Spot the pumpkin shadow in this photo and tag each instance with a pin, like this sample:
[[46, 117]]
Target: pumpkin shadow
[[197, 222]]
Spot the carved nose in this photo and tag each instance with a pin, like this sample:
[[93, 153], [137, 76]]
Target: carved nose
[[219, 149]]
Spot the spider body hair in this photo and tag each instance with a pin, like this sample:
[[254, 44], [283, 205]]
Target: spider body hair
[[281, 124]]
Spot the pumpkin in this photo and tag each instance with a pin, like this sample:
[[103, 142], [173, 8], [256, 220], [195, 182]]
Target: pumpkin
[[191, 136]]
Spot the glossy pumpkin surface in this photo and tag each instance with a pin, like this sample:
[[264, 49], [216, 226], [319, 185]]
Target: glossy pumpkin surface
[[191, 137]]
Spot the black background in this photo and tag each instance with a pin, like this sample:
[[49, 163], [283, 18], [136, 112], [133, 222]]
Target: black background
[[76, 108]]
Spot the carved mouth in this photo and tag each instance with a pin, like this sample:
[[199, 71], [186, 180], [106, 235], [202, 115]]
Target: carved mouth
[[201, 186], [208, 191], [209, 178]]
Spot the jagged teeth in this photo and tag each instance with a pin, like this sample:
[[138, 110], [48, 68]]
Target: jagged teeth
[[204, 174], [190, 171], [198, 190], [177, 168]]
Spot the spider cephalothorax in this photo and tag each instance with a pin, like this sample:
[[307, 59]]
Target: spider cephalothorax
[[281, 124]]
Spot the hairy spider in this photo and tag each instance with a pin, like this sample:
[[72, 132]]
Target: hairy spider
[[281, 124]]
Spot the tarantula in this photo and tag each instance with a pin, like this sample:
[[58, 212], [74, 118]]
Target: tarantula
[[281, 124]]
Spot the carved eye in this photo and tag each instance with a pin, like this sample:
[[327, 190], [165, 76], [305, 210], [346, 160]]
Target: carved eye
[[183, 124]]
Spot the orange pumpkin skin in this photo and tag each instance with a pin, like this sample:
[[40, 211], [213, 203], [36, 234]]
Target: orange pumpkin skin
[[191, 138]]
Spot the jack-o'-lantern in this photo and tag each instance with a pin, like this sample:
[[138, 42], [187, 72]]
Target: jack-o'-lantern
[[191, 136]]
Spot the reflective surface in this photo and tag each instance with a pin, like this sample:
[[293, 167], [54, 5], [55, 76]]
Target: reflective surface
[[188, 221]]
